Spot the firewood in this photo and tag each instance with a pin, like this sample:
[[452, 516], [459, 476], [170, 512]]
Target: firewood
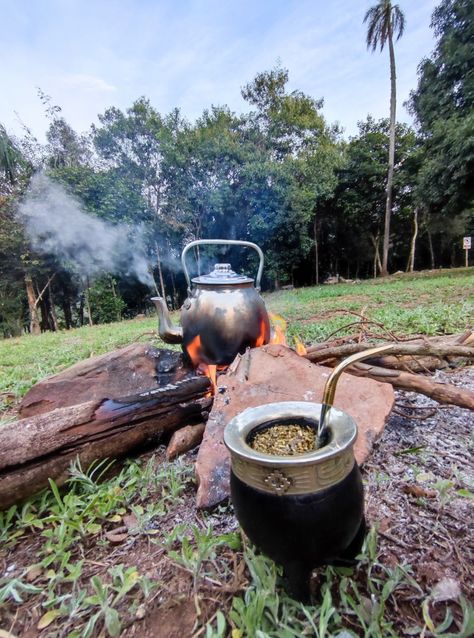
[[40, 447], [417, 355], [184, 439], [441, 392], [407, 349]]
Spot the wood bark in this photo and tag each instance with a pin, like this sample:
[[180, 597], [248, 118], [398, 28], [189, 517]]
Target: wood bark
[[41, 447], [184, 439], [411, 257], [403, 355], [441, 392], [391, 155], [35, 328]]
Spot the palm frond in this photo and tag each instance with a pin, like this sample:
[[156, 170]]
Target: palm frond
[[384, 20]]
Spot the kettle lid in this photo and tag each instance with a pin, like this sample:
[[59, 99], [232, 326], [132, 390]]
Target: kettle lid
[[222, 275]]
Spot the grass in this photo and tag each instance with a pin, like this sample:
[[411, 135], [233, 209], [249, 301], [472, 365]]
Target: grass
[[436, 303], [71, 600], [65, 575]]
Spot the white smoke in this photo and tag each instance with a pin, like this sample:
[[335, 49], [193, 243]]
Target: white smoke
[[57, 223]]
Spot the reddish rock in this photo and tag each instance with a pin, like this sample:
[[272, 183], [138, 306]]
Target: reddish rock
[[275, 373]]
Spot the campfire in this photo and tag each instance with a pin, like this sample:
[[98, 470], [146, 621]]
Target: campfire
[[277, 336], [235, 356]]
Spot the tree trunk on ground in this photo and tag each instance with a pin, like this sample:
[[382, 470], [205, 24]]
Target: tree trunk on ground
[[391, 156], [35, 327], [411, 258]]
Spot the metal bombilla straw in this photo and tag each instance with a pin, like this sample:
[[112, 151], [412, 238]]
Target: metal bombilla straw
[[330, 387]]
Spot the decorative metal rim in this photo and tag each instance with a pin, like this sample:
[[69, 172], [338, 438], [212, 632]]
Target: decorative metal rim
[[291, 475], [342, 427]]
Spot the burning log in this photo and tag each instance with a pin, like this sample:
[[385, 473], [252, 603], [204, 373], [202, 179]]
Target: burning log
[[129, 370], [42, 447]]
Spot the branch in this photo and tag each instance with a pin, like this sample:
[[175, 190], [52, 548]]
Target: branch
[[40, 296], [441, 392], [321, 353]]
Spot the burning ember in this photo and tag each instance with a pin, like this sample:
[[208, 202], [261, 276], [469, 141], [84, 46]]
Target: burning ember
[[278, 335]]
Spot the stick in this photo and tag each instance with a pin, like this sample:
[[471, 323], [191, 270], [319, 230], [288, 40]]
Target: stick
[[441, 392]]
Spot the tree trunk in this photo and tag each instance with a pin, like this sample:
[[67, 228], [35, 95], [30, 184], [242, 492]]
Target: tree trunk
[[377, 262], [160, 272], [316, 251], [52, 311], [430, 244], [41, 447], [114, 295], [87, 300], [66, 305], [391, 156], [35, 327], [411, 258]]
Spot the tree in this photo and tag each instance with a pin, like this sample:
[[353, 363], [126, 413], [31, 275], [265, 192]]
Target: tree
[[384, 22], [443, 105], [358, 206]]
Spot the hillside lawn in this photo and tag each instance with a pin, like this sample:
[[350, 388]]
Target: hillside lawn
[[429, 303]]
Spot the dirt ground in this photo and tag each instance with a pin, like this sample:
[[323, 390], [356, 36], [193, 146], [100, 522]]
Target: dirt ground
[[418, 482]]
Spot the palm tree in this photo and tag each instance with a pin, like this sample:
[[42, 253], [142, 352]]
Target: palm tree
[[386, 20]]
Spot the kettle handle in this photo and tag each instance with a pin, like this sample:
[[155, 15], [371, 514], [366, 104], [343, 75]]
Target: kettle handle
[[225, 242]]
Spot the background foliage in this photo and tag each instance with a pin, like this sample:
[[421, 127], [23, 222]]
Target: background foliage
[[279, 175]]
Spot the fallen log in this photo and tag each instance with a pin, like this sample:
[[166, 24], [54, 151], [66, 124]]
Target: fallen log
[[129, 370], [408, 349], [40, 447]]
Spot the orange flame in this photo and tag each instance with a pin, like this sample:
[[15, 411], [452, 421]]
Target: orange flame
[[261, 337], [194, 350], [299, 346], [279, 329], [195, 354]]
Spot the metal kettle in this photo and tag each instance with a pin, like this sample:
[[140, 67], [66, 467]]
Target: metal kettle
[[223, 313]]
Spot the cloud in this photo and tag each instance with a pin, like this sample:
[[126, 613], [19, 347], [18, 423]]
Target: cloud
[[87, 82]]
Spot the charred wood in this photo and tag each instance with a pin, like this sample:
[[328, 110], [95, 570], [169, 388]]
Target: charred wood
[[40, 447]]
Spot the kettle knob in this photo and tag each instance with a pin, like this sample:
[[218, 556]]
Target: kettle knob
[[222, 269]]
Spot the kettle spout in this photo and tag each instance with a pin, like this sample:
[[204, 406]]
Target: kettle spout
[[166, 330]]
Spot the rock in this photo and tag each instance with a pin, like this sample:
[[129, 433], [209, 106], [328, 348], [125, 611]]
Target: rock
[[275, 373]]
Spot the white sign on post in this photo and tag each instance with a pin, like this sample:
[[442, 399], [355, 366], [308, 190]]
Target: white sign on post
[[466, 243]]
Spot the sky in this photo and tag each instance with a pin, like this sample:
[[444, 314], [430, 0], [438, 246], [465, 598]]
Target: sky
[[89, 55]]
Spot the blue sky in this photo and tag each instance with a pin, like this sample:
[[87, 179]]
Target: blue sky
[[194, 53]]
